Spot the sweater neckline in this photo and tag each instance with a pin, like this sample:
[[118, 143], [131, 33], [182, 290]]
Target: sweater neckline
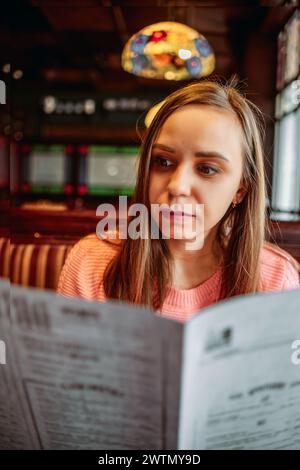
[[196, 295]]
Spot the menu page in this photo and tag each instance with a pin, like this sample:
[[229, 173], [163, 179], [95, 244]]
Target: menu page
[[241, 379], [87, 375]]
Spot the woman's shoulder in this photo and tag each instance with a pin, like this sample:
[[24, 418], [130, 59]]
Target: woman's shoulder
[[85, 265], [279, 270], [92, 244], [91, 251]]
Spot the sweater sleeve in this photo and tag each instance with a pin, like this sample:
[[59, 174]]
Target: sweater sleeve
[[291, 278]]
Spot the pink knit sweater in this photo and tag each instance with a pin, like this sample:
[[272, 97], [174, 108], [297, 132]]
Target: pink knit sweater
[[82, 276]]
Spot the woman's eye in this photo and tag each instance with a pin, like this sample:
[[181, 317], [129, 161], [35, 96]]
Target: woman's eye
[[208, 170], [163, 162]]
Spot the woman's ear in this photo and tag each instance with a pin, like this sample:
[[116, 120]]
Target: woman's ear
[[241, 192]]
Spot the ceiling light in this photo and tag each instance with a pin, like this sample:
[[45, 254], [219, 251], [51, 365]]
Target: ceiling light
[[168, 50]]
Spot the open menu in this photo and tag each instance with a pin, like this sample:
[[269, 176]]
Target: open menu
[[108, 375]]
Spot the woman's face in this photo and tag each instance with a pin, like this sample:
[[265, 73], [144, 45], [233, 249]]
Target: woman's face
[[197, 158]]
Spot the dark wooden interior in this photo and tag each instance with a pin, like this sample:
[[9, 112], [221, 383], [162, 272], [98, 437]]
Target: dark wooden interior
[[64, 46]]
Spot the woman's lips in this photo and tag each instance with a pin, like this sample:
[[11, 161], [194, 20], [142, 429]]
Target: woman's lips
[[181, 214], [176, 213]]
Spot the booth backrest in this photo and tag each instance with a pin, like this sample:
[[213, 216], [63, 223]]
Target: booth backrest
[[35, 265]]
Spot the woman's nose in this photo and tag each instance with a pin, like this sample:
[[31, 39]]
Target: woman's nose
[[180, 182]]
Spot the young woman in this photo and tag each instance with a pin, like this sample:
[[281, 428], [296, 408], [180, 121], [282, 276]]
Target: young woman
[[204, 146]]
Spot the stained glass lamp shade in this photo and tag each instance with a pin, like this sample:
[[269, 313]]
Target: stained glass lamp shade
[[170, 51]]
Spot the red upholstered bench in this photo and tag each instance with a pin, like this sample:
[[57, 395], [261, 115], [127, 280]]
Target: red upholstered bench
[[36, 265]]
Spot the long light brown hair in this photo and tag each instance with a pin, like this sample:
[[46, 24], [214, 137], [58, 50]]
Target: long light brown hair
[[141, 271]]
